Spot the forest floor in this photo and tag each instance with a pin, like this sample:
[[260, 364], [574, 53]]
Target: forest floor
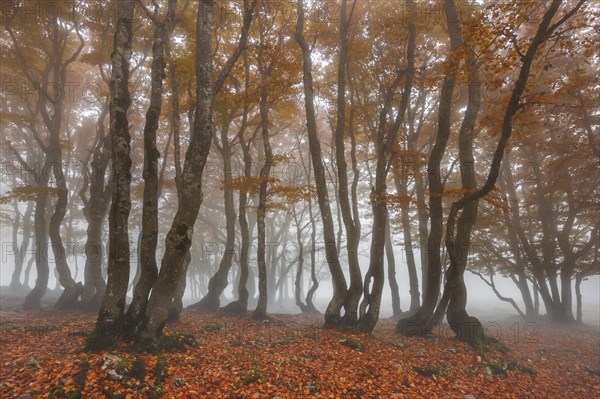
[[291, 356]]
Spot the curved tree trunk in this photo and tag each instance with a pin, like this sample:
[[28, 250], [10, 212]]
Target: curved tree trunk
[[241, 305], [415, 324], [352, 235], [33, 299], [95, 210], [391, 262], [149, 239], [332, 314], [217, 284], [299, 270], [110, 319], [179, 237], [313, 274], [467, 328], [15, 280], [383, 146], [400, 177], [25, 243], [261, 308]]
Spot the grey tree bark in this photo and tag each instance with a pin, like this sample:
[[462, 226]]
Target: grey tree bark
[[352, 236], [383, 145], [218, 282], [261, 308], [179, 238], [111, 315], [332, 314], [391, 263], [95, 209], [149, 233], [466, 327]]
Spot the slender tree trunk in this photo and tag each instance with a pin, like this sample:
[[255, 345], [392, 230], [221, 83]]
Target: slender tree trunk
[[261, 308], [400, 183], [332, 314], [467, 328], [110, 319], [241, 305], [72, 290], [180, 235], [383, 145], [352, 236], [313, 274], [300, 269], [95, 210], [217, 284], [314, 284], [415, 324], [391, 262], [149, 268], [15, 280], [25, 243], [33, 299]]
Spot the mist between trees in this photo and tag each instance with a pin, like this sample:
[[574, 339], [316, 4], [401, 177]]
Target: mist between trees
[[208, 252], [290, 172]]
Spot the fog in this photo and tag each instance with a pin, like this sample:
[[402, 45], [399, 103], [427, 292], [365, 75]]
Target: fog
[[482, 302]]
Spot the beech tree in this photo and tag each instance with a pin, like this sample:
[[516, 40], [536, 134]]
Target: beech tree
[[179, 238], [453, 300], [59, 52], [112, 308], [332, 314]]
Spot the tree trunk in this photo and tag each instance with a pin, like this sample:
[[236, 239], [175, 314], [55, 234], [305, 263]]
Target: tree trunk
[[389, 251], [15, 280], [261, 308], [177, 304], [313, 275], [352, 237], [95, 210], [400, 177], [467, 328], [72, 290], [33, 299], [241, 305], [332, 314], [179, 237], [217, 284], [415, 324], [300, 269], [383, 146], [578, 279], [110, 319], [25, 243], [149, 268]]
